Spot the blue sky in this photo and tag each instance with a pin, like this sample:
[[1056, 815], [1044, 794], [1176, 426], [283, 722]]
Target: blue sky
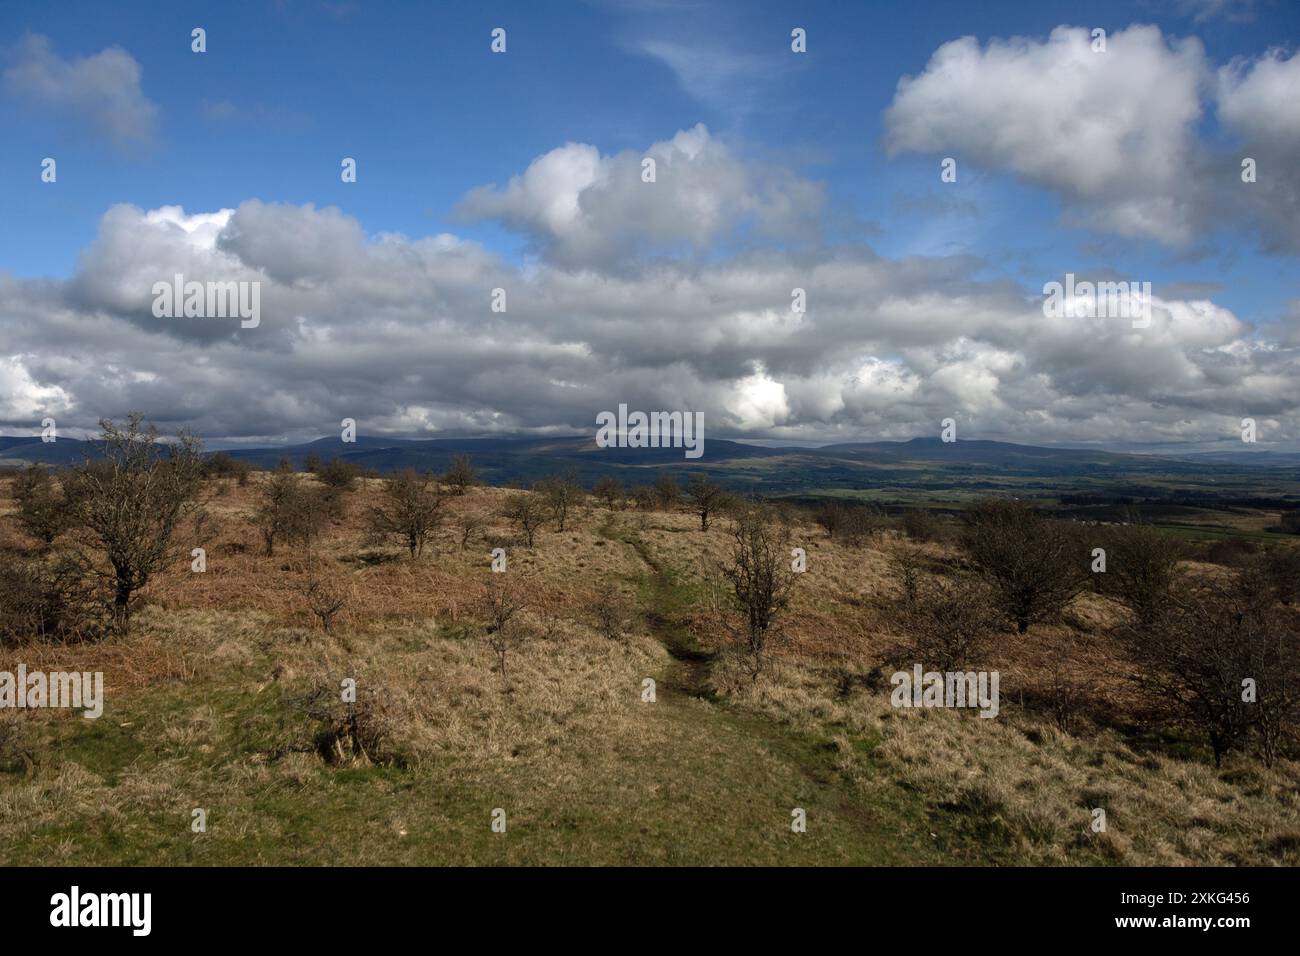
[[412, 92]]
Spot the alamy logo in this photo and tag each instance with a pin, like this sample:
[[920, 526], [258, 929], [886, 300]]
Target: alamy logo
[[1105, 300], [103, 909], [653, 430], [948, 689], [208, 300], [76, 690]]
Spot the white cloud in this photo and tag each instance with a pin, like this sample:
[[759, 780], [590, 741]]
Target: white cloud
[[1261, 98], [397, 332], [1111, 132], [588, 210]]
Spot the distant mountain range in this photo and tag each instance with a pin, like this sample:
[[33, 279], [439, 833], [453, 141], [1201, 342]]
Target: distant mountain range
[[916, 466]]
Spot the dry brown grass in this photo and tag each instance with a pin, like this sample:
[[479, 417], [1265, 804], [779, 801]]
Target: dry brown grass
[[210, 676]]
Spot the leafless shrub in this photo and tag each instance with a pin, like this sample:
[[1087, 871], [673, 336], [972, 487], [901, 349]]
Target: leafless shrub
[[348, 732], [43, 511], [1141, 568], [1204, 643], [561, 492], [325, 594], [499, 608], [224, 465], [643, 498], [860, 524], [761, 581], [667, 493], [610, 491], [1068, 692], [339, 474], [48, 597], [470, 524], [1036, 567], [706, 498], [948, 622], [460, 475], [132, 501], [1280, 568], [829, 517], [525, 511], [410, 508], [918, 524], [290, 510]]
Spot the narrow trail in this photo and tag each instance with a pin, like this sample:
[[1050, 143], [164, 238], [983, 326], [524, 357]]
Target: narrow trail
[[689, 673], [686, 685]]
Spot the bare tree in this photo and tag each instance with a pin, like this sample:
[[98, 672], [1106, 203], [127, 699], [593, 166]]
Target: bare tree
[[561, 493], [524, 510], [469, 523], [289, 511], [132, 501], [761, 580], [948, 622], [325, 595], [610, 491], [919, 524], [460, 475], [410, 508], [706, 497], [861, 523], [1141, 568], [499, 608], [1036, 568], [666, 491], [1200, 649], [42, 509]]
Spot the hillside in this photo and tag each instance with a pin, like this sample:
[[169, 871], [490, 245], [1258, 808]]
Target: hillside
[[210, 705]]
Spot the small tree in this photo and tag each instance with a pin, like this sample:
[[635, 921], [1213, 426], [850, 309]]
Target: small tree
[[706, 498], [499, 609], [560, 492], [861, 523], [339, 474], [829, 517], [666, 491], [1035, 567], [761, 580], [1141, 568], [470, 524], [610, 491], [1198, 649], [43, 511], [324, 594], [525, 511], [290, 511], [132, 501], [948, 622], [643, 498], [410, 508], [918, 524], [222, 464], [460, 475]]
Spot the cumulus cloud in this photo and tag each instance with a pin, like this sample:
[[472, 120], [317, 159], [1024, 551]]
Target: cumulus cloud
[[1116, 134], [398, 332], [1111, 131], [583, 208], [102, 90]]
